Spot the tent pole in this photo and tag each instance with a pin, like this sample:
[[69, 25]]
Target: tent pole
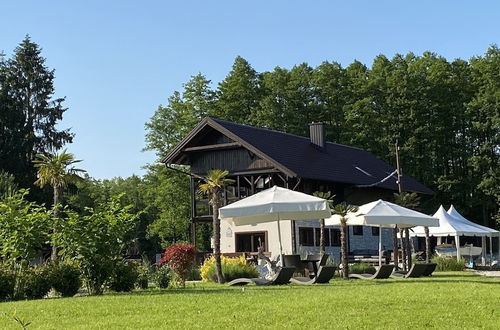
[[279, 240], [498, 249], [483, 250], [379, 246], [491, 249], [457, 243]]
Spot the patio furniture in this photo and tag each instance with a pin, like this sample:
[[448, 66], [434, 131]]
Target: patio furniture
[[383, 272], [313, 262], [283, 276], [324, 275], [429, 269], [293, 260], [416, 270]]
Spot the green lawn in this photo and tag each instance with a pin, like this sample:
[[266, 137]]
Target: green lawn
[[445, 301]]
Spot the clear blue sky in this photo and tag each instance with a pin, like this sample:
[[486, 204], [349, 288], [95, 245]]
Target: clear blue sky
[[116, 61]]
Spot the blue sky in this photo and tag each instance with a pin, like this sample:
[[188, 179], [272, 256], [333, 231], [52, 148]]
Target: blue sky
[[116, 61]]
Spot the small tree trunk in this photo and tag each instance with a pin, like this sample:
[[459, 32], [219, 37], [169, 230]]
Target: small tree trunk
[[343, 243], [322, 242], [403, 249], [57, 214], [408, 248], [216, 222], [427, 245], [395, 253]]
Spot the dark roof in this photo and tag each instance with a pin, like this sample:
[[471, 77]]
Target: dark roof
[[336, 162]]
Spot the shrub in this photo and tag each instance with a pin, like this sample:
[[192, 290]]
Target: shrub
[[362, 268], [194, 274], [7, 282], [124, 277], [33, 282], [65, 276], [449, 264], [143, 276], [232, 268], [162, 276], [180, 258]]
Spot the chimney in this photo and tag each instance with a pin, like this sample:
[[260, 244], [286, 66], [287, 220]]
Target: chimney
[[317, 134]]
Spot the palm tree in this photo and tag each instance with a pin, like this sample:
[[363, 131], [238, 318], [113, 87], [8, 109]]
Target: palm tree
[[57, 171], [214, 183], [328, 196], [342, 210], [411, 201]]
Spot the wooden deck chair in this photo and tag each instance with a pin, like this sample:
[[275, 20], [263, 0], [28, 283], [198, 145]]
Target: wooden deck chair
[[325, 274], [281, 277], [416, 270], [384, 271]]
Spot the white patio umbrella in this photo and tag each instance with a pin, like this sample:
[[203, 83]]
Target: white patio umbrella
[[384, 214], [275, 204]]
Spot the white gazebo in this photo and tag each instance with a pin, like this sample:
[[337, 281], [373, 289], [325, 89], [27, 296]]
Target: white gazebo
[[275, 204], [384, 214], [492, 232], [450, 225]]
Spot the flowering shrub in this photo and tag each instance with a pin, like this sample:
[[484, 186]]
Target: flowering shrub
[[180, 258], [232, 268]]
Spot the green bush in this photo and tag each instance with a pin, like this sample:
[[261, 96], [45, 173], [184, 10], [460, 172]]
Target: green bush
[[194, 274], [143, 276], [66, 277], [7, 282], [162, 277], [449, 264], [362, 268], [33, 282], [124, 276]]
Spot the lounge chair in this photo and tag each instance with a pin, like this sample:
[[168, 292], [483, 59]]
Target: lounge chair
[[384, 271], [416, 270], [293, 260], [325, 274], [282, 277], [429, 270]]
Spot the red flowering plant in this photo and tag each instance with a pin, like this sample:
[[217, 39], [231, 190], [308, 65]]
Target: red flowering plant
[[180, 258]]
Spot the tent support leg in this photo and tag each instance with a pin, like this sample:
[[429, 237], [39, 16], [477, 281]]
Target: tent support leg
[[491, 250], [457, 243], [483, 250]]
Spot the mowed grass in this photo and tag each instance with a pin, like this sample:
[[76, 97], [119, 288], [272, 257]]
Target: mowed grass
[[457, 300]]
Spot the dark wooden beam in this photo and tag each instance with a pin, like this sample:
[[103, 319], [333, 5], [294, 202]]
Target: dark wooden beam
[[213, 147]]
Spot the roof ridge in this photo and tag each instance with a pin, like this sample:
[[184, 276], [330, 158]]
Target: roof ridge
[[280, 132]]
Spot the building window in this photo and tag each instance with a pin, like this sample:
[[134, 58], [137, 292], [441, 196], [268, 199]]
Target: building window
[[335, 237], [375, 231], [250, 242], [357, 230], [306, 236]]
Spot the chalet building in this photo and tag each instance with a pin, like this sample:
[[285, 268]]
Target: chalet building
[[258, 159]]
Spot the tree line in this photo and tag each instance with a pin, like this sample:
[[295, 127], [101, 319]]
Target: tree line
[[445, 115]]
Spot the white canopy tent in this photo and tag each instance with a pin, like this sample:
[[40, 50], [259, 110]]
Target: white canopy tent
[[275, 204], [493, 233], [450, 226], [384, 215]]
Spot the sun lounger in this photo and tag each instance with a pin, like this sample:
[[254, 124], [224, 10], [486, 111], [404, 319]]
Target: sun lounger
[[325, 274], [416, 270], [282, 277], [429, 269], [384, 271]]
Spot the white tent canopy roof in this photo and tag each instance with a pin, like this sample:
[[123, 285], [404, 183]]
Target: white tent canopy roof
[[449, 226], [274, 204], [454, 213], [384, 214]]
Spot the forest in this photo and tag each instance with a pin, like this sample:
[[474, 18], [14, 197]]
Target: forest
[[445, 115]]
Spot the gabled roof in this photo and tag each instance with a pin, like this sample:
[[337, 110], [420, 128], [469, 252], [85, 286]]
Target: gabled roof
[[297, 156]]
